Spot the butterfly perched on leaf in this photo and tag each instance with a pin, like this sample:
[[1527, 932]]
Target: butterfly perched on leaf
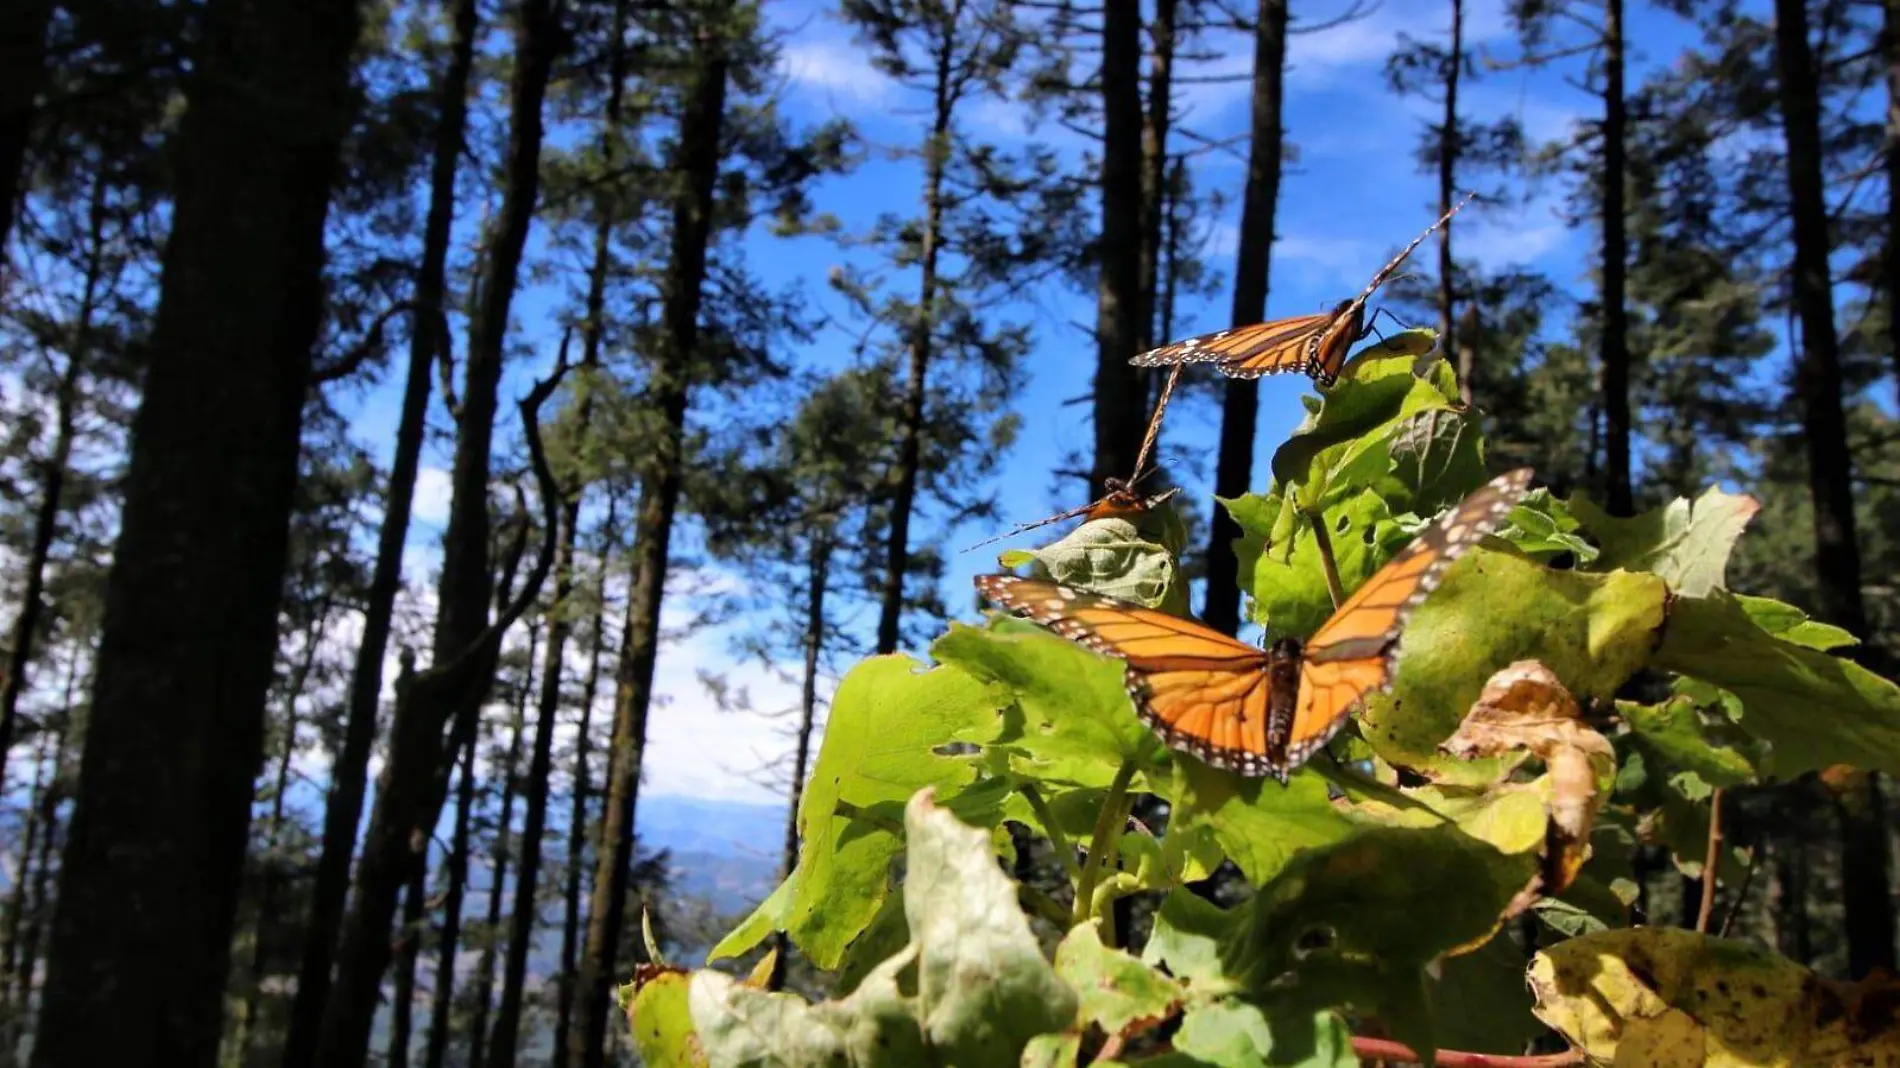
[[1262, 711], [1315, 345]]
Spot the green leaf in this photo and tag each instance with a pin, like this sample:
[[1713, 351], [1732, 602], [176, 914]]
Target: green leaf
[[1687, 544], [1071, 720], [1349, 440], [1816, 710], [1285, 577], [1115, 557], [1674, 731], [1119, 994], [1789, 623], [1398, 895], [983, 987], [1626, 996], [1260, 824], [1231, 1033], [1053, 1051], [1186, 940], [1481, 1002], [880, 747], [1493, 609], [742, 1026], [1541, 527], [1439, 456], [663, 1024]]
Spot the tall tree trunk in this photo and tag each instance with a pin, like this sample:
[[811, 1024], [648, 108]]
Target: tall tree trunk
[[23, 70], [560, 625], [455, 874], [817, 580], [1154, 168], [272, 876], [53, 472], [149, 879], [1792, 933], [1890, 42], [697, 161], [12, 987], [415, 778], [1866, 875], [349, 774], [937, 149], [498, 875], [1450, 143], [1120, 400], [1869, 921], [30, 937], [402, 999], [577, 836], [1818, 373], [1240, 401], [1614, 354]]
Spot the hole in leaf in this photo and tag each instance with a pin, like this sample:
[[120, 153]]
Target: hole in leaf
[[1344, 524], [1315, 939]]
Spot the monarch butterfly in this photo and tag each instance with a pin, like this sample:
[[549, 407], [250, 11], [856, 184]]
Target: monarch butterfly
[[1315, 344], [1262, 711], [1120, 500]]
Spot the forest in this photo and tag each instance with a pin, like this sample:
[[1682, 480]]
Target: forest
[[490, 492]]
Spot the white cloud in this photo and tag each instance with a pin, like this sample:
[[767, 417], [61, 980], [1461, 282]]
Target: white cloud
[[835, 67], [431, 505]]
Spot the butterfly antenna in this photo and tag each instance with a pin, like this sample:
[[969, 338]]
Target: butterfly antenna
[[1154, 423], [1386, 272]]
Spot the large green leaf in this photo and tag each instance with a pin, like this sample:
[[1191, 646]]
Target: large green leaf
[[1187, 938], [1814, 709], [1070, 720], [1493, 609], [1232, 1033], [1398, 895], [1789, 623], [663, 1025], [1282, 569], [1674, 732], [1349, 440], [1260, 824], [1687, 544], [1482, 1003], [887, 723]]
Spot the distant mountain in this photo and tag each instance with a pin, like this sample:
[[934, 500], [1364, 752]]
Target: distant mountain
[[727, 852]]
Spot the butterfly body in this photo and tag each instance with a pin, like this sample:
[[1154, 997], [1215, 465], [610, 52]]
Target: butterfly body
[[1260, 711]]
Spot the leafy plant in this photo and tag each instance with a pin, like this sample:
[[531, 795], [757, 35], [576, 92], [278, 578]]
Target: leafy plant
[[1380, 900]]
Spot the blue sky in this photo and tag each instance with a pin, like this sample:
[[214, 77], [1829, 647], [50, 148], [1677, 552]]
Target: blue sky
[[1352, 196]]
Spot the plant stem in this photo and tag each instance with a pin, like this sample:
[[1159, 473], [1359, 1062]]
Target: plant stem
[[1102, 843], [1385, 1049], [1064, 851], [1709, 863], [1325, 542]]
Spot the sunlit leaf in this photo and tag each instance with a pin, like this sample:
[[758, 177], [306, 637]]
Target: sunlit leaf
[[1688, 545], [1118, 993], [1260, 824], [662, 1024]]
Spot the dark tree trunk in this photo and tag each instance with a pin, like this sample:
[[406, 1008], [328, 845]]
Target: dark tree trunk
[[560, 626], [1450, 142], [1792, 934], [1240, 402], [1154, 167], [577, 836], [26, 624], [23, 70], [271, 878], [937, 149], [16, 897], [1818, 372], [818, 579], [402, 1008], [30, 937], [1120, 400], [697, 162], [1614, 354], [349, 775], [1866, 875], [149, 880], [455, 875], [415, 779], [498, 875], [1890, 43]]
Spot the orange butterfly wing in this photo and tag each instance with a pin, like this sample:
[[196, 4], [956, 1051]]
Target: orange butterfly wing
[[1199, 689], [1352, 653], [1273, 347]]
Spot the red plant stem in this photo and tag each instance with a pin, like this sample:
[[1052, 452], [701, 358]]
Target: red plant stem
[[1388, 1050]]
